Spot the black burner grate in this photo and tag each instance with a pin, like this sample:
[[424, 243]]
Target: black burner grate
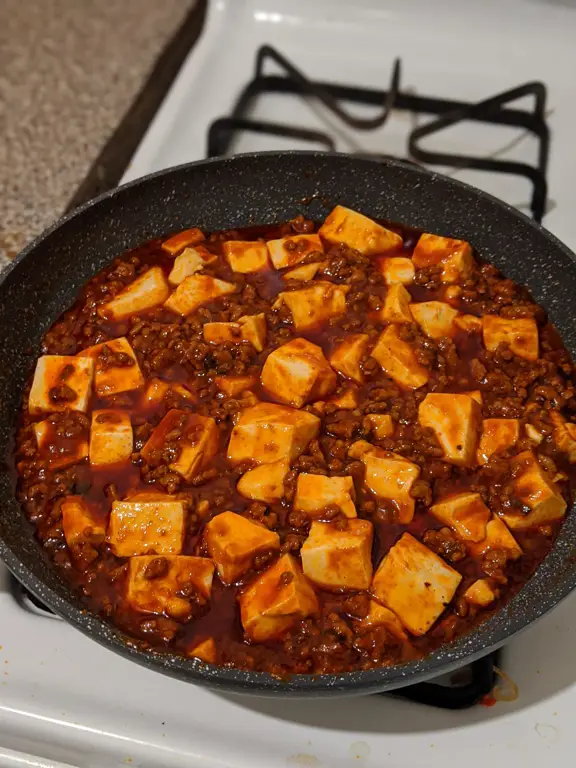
[[447, 111]]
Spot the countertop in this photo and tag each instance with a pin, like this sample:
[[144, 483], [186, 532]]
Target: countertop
[[69, 71]]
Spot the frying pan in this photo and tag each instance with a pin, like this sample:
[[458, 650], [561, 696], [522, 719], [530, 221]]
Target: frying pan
[[237, 192]]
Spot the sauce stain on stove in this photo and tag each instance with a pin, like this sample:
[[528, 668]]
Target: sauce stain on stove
[[303, 760], [359, 750]]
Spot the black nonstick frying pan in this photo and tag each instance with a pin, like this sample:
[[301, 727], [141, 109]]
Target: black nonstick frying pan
[[263, 189]]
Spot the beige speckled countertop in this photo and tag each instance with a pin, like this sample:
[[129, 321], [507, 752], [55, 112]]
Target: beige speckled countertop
[[69, 70]]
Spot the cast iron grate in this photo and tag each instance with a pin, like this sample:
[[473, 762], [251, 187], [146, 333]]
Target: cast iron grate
[[447, 113]]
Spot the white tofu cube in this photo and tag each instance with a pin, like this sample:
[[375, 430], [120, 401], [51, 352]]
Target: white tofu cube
[[297, 372], [455, 420], [187, 237], [205, 651], [389, 476], [381, 425], [269, 432], [436, 318], [497, 435], [81, 525], [397, 270], [396, 307], [481, 593], [190, 261], [146, 527], [359, 232], [198, 442], [290, 250], [116, 367], [465, 513], [276, 600], [339, 558], [346, 356], [316, 492], [195, 291], [520, 335], [222, 333], [156, 584], [398, 360], [414, 583], [533, 434], [56, 451], [233, 542], [537, 491], [61, 383], [304, 273], [235, 385], [564, 435], [111, 437], [157, 389], [316, 304], [265, 482], [379, 616], [245, 257], [254, 330], [148, 291], [455, 256], [497, 537], [468, 323]]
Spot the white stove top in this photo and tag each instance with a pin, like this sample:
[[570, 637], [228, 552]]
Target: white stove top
[[64, 700]]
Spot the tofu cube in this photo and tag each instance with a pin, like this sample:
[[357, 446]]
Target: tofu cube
[[61, 383], [397, 270], [234, 385], [315, 305], [265, 482], [146, 527], [148, 291], [455, 256], [179, 241], [476, 395], [195, 291], [155, 584], [347, 356], [455, 420], [536, 491], [280, 597], [497, 435], [116, 367], [111, 437], [58, 452], [205, 651], [198, 441], [254, 330], [497, 537], [359, 232], [465, 513], [316, 492], [81, 526], [298, 372], [468, 323], [190, 261], [346, 400], [436, 318], [379, 616], [222, 333], [233, 542], [534, 435], [157, 390], [414, 583], [389, 476], [246, 257], [480, 593], [268, 432], [288, 251], [305, 272], [520, 335], [564, 435], [381, 425], [397, 306], [336, 558], [398, 360]]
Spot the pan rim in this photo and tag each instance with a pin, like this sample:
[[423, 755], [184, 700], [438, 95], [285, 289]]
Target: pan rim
[[445, 659]]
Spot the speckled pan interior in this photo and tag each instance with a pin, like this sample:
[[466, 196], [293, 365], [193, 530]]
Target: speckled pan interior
[[262, 189]]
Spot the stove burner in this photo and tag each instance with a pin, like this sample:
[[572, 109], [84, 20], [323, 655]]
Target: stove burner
[[449, 112]]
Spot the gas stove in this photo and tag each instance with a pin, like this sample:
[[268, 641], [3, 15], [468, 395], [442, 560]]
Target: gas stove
[[484, 94]]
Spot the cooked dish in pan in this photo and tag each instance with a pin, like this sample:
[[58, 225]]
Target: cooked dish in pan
[[299, 448]]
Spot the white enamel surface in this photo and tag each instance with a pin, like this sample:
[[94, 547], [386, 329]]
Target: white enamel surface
[[66, 701]]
